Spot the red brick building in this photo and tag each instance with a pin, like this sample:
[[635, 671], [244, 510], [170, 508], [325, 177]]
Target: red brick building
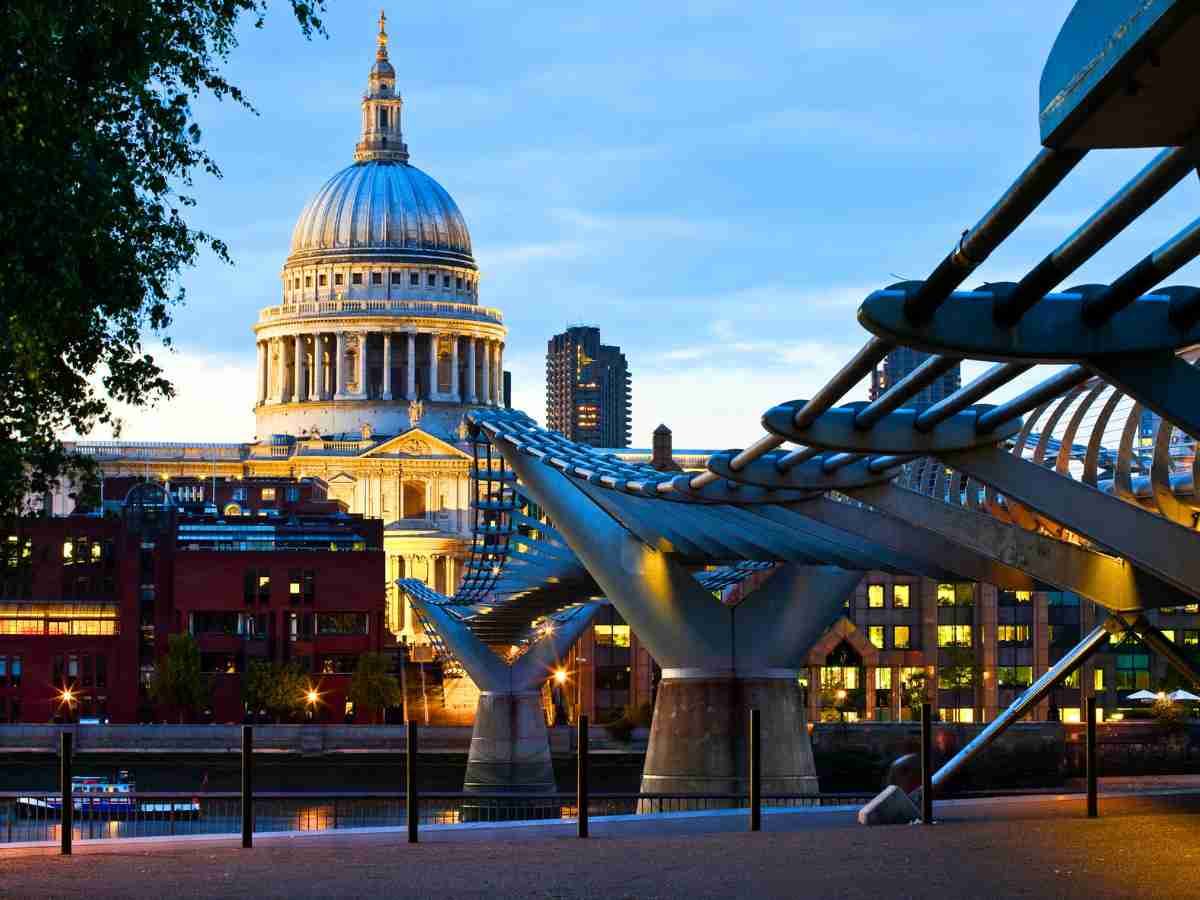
[[87, 602]]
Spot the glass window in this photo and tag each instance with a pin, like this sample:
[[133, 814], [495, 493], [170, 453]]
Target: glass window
[[1013, 634], [1192, 608], [1014, 676], [445, 281], [431, 280], [1072, 680], [900, 639], [14, 672], [414, 279], [356, 278], [883, 679], [962, 714], [953, 677], [875, 635], [293, 493], [342, 623], [308, 281], [875, 596], [960, 594], [900, 596], [1015, 598], [395, 279], [1133, 671], [322, 280], [839, 677], [1098, 679], [339, 279], [458, 283], [1169, 634], [612, 635], [954, 635], [1191, 638], [268, 493], [3, 671]]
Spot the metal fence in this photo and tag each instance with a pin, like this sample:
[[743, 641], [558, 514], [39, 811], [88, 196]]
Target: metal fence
[[36, 816]]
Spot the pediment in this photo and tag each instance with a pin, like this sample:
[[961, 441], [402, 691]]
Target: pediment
[[341, 478], [415, 442], [843, 630]]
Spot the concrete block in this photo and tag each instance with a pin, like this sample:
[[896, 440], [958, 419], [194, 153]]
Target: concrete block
[[890, 807]]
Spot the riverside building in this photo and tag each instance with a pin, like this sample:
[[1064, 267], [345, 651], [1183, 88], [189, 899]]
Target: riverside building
[[88, 603]]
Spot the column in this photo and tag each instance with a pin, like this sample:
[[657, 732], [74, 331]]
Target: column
[[433, 364], [454, 387], [320, 373], [258, 376], [499, 373], [279, 359], [300, 391], [471, 397], [387, 366], [362, 365], [487, 372], [339, 356], [410, 387]]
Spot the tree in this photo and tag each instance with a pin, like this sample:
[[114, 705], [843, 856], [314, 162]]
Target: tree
[[373, 687], [178, 680], [278, 688], [97, 141], [914, 690]]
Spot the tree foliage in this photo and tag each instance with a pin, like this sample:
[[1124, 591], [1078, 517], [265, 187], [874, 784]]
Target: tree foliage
[[178, 681], [373, 687], [278, 688], [98, 147]]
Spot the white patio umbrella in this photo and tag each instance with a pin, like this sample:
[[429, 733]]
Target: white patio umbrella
[[1142, 695], [1181, 694]]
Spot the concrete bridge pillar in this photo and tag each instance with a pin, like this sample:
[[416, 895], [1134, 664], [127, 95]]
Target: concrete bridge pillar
[[510, 748], [718, 661]]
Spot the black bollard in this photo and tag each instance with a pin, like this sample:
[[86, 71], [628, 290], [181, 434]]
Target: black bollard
[[67, 819], [412, 807], [1093, 806], [755, 771], [927, 763], [247, 786], [581, 777]]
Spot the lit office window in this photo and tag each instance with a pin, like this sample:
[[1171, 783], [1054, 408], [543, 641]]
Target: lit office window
[[875, 596]]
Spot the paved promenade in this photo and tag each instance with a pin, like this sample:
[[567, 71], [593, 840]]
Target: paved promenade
[[1013, 847]]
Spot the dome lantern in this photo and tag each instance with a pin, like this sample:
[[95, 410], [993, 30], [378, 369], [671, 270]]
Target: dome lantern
[[382, 106]]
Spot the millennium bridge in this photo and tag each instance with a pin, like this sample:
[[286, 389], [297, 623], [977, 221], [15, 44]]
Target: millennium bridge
[[1048, 486]]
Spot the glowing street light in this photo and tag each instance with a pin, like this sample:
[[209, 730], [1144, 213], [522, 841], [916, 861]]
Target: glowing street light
[[560, 676], [312, 697]]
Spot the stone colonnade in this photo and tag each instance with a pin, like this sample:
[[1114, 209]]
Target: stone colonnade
[[360, 364]]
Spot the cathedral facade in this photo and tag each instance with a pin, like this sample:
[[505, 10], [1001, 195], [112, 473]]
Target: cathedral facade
[[369, 361]]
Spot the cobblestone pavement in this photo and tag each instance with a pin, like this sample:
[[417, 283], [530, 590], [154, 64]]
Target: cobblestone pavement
[[1040, 847]]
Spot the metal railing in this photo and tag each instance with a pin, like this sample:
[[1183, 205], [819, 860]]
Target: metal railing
[[35, 816]]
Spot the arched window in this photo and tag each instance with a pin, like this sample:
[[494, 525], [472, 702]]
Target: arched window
[[232, 509]]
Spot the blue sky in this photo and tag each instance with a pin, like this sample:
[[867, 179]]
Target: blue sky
[[716, 185]]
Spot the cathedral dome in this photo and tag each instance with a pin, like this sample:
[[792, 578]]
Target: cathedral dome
[[385, 208]]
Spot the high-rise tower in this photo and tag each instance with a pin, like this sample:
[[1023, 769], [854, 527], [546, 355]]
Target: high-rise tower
[[902, 361], [588, 392]]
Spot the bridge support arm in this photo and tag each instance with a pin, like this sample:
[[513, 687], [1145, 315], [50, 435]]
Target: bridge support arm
[[1114, 583], [1157, 642], [1155, 544], [1029, 699]]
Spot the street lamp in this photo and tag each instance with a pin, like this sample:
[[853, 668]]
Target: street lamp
[[311, 698], [560, 676]]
